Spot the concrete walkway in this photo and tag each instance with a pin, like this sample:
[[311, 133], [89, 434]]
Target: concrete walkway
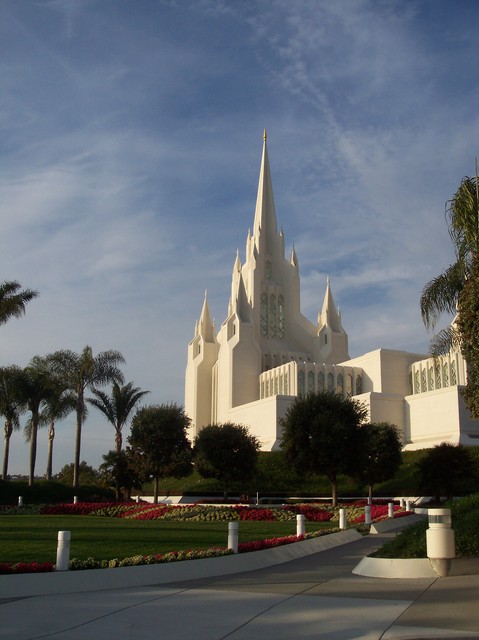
[[310, 597]]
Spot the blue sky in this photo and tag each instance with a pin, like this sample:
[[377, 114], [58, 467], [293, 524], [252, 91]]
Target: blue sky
[[131, 135]]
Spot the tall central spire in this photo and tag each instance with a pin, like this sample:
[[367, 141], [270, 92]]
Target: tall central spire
[[265, 214]]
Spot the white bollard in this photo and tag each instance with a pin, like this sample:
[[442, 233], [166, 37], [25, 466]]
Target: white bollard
[[75, 499], [440, 541], [20, 501], [402, 502], [300, 529], [233, 536], [408, 505], [390, 509], [137, 499], [63, 550], [342, 519], [367, 514]]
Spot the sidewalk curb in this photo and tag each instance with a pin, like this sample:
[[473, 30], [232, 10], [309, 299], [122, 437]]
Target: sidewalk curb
[[61, 582]]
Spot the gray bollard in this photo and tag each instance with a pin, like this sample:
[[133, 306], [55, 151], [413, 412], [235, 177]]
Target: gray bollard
[[300, 529], [20, 501], [63, 550], [390, 509], [233, 536], [367, 514], [342, 519]]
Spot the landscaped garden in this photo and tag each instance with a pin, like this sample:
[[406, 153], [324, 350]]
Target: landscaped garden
[[112, 534]]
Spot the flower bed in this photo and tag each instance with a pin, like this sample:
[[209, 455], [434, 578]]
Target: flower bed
[[318, 512]]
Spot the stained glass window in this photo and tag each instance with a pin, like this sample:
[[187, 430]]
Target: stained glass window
[[321, 381], [453, 374], [301, 383], [272, 316], [359, 384], [280, 317], [264, 315]]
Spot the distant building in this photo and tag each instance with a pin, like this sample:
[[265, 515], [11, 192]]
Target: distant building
[[267, 352]]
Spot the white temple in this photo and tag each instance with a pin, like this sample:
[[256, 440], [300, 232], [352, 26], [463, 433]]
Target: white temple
[[267, 352]]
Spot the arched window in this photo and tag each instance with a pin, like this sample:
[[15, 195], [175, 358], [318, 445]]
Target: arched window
[[423, 381], [438, 375], [264, 315], [417, 386], [320, 382], [301, 383], [330, 382], [430, 373], [340, 384], [268, 270], [359, 384], [272, 316], [453, 374], [349, 384], [410, 383], [310, 381], [446, 375]]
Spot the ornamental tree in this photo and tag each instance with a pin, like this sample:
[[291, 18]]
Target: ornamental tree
[[226, 452], [321, 434], [380, 454], [158, 443]]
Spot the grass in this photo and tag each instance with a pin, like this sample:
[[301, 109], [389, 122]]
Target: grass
[[411, 543], [34, 538]]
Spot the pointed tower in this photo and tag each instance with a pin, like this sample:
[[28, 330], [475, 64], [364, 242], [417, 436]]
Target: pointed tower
[[332, 341], [202, 356]]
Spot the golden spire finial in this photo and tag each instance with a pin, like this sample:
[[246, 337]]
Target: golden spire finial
[[265, 135]]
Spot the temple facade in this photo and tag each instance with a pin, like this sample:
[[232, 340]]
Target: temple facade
[[267, 352]]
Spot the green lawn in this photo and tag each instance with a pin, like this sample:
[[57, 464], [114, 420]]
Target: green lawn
[[34, 538]]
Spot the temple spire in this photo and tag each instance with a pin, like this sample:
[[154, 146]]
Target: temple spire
[[265, 215], [329, 316], [206, 327]]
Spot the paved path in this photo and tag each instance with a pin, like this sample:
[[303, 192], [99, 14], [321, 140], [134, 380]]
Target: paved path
[[312, 597]]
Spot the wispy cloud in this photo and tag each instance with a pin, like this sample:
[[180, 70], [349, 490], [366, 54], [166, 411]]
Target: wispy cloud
[[129, 158]]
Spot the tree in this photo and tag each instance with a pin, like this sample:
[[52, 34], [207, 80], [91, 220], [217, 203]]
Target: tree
[[380, 453], [444, 293], [117, 407], [321, 435], [81, 372], [468, 329], [159, 444], [13, 300], [117, 471], [441, 294], [35, 387], [445, 470], [226, 452], [11, 407], [87, 474], [58, 405]]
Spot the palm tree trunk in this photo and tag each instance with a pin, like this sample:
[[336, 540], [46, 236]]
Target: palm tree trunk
[[6, 454], [118, 440], [33, 447], [51, 437], [155, 490], [370, 494], [76, 461]]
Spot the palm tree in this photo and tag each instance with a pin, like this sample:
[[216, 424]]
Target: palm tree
[[117, 407], [35, 388], [118, 471], [11, 406], [441, 293], [82, 371], [13, 300], [60, 403]]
